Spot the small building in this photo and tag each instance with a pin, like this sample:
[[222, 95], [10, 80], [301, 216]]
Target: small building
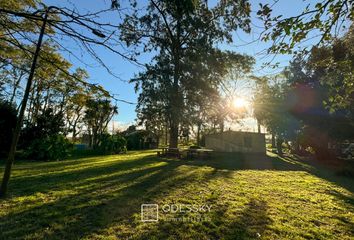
[[231, 141]]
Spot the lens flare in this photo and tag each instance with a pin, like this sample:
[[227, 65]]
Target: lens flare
[[239, 103]]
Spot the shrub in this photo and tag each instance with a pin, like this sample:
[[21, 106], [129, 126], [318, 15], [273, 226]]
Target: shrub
[[48, 123], [54, 147], [135, 140], [7, 124], [112, 144], [195, 147]]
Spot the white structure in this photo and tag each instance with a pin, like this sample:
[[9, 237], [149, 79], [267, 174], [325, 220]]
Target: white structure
[[231, 141]]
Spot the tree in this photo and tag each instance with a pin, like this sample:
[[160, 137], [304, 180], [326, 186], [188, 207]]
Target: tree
[[318, 94], [325, 80], [324, 19], [19, 37], [47, 123], [98, 113], [76, 97], [272, 109], [183, 34], [44, 139], [17, 130], [333, 65]]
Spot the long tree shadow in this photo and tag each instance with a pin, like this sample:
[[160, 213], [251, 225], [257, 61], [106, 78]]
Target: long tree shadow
[[105, 200], [249, 223], [101, 196], [239, 161], [252, 222], [318, 169], [246, 161], [73, 176]]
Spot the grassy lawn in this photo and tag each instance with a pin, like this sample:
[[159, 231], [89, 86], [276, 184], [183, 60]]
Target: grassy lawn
[[251, 197]]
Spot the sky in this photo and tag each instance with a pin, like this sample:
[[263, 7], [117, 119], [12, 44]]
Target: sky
[[122, 89]]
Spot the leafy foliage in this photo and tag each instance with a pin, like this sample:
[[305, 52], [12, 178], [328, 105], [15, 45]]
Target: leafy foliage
[[187, 66], [323, 18], [112, 144], [52, 147], [98, 113], [272, 109], [47, 124], [8, 120], [140, 139], [333, 66], [44, 139], [315, 99]]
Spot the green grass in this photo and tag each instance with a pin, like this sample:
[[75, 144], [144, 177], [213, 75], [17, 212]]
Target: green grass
[[251, 197]]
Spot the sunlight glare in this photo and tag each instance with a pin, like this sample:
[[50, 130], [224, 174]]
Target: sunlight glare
[[240, 103]]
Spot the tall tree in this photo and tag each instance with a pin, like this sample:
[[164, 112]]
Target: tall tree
[[98, 113], [272, 109], [325, 83], [183, 35], [19, 25]]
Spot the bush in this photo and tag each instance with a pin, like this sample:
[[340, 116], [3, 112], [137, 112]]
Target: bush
[[7, 125], [54, 147], [48, 123], [112, 144], [135, 140], [195, 147]]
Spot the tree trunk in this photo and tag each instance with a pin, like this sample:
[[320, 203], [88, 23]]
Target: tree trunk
[[175, 100], [90, 139], [198, 134], [16, 134], [74, 133], [173, 143], [46, 101], [166, 135], [279, 146], [30, 105], [222, 125], [297, 145], [273, 140]]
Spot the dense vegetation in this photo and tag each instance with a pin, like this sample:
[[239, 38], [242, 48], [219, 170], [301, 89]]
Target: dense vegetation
[[311, 103]]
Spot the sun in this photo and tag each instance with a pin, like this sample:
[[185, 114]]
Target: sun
[[239, 103]]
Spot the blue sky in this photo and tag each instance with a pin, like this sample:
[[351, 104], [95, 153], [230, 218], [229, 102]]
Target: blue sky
[[126, 70]]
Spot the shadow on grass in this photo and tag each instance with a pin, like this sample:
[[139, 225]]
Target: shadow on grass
[[318, 169], [252, 222], [240, 161], [55, 177], [93, 198], [98, 194]]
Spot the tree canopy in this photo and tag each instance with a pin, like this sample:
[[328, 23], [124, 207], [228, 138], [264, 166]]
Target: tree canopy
[[187, 64]]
